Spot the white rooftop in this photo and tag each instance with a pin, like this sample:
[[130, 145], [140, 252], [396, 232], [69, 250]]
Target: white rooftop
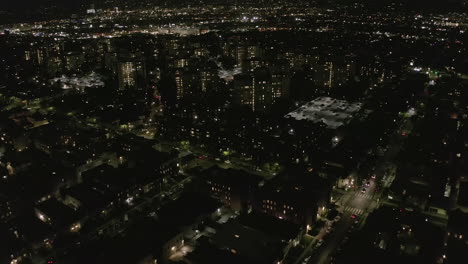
[[77, 82], [332, 112]]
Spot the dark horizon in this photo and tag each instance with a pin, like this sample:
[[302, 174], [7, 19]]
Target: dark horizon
[[227, 132], [39, 10]]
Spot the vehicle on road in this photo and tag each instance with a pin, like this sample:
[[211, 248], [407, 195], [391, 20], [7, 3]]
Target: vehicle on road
[[319, 243], [368, 183], [363, 190]]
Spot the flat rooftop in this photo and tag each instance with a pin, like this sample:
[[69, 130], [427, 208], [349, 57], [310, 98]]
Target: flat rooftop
[[332, 112]]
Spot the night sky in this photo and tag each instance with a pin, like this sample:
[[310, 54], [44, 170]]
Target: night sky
[[40, 10], [22, 5]]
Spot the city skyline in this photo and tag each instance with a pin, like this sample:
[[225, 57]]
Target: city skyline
[[253, 132]]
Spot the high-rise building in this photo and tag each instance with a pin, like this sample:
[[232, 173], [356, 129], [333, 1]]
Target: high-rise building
[[243, 84], [207, 78], [179, 80], [240, 56], [263, 90], [127, 76], [131, 75], [333, 73], [54, 66], [280, 83], [260, 89], [42, 55], [74, 61], [188, 82]]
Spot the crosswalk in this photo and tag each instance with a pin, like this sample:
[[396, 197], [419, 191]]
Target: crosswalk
[[353, 210], [364, 195]]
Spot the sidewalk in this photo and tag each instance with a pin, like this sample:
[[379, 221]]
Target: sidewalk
[[312, 243]]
